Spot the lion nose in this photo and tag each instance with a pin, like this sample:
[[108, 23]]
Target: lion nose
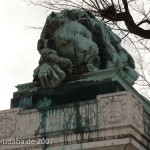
[[93, 50]]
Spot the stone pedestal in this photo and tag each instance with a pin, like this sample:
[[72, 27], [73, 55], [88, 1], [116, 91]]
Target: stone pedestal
[[116, 121]]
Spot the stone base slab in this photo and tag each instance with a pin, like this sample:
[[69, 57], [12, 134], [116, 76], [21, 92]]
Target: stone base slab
[[111, 121]]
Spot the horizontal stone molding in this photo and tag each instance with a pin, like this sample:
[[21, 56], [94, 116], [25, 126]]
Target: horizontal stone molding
[[109, 117], [119, 109]]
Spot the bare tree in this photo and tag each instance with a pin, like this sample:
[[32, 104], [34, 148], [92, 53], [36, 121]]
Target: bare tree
[[130, 19], [113, 11]]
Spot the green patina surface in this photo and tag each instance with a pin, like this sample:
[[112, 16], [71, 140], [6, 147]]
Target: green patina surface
[[80, 58], [75, 42], [81, 88]]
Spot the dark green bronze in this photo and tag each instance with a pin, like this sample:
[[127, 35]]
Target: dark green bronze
[[75, 42], [80, 58]]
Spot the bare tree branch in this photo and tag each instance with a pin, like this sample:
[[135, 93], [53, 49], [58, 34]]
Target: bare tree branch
[[143, 21]]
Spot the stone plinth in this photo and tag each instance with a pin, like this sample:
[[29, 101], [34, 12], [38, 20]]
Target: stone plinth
[[116, 121]]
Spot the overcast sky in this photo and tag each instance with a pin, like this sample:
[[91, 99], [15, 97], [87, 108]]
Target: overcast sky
[[19, 55]]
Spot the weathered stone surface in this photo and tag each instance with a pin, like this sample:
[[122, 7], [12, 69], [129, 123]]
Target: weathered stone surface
[[120, 109], [8, 123], [80, 58], [111, 121]]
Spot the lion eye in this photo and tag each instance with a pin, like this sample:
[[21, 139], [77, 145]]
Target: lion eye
[[83, 51], [64, 42]]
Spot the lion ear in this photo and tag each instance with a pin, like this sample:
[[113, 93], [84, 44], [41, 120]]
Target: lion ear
[[84, 21], [50, 43], [53, 14], [40, 44]]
